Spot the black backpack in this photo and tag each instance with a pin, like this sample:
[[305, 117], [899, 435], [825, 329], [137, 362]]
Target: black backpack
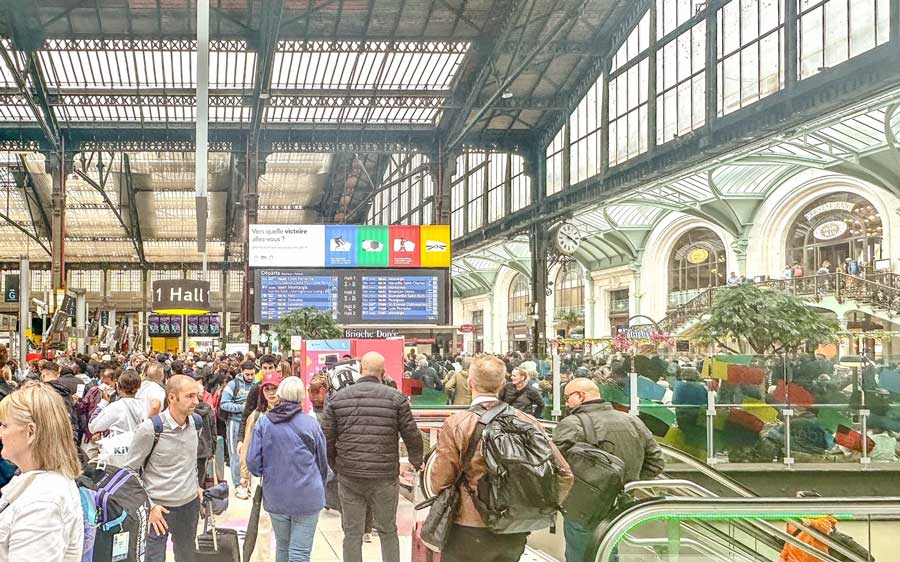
[[206, 439], [519, 492], [599, 478]]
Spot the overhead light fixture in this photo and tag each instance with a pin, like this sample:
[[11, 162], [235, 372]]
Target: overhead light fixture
[[506, 94]]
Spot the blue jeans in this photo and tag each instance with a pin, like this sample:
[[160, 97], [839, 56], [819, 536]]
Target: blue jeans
[[232, 429], [294, 536], [578, 541]]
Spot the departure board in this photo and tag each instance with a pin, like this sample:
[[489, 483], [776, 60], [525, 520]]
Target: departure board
[[354, 296]]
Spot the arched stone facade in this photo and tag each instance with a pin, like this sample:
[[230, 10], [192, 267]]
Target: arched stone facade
[[772, 222], [652, 285]]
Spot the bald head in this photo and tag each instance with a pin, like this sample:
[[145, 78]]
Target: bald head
[[183, 393], [586, 387], [178, 383], [372, 365]]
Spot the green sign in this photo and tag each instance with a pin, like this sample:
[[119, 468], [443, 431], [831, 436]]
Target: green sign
[[372, 246]]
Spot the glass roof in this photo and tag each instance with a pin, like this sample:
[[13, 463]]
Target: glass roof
[[131, 64], [357, 65], [153, 81], [119, 111], [358, 110]]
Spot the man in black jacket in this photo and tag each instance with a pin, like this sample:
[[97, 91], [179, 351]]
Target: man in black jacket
[[362, 424], [521, 395]]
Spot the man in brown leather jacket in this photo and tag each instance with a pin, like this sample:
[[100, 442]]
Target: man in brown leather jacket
[[470, 540]]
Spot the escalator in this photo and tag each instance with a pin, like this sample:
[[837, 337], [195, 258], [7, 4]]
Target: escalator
[[681, 521]]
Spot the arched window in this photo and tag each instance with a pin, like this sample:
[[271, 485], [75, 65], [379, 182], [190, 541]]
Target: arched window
[[519, 296], [697, 262], [569, 289], [834, 230]]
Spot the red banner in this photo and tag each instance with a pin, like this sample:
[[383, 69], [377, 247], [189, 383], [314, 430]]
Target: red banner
[[404, 246]]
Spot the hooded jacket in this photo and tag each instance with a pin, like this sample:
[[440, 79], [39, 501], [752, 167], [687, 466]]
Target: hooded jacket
[[791, 553], [287, 448]]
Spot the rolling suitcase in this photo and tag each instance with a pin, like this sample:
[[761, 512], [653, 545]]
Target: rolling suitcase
[[216, 545]]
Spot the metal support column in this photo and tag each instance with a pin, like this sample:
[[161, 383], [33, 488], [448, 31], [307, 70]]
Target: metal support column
[[604, 122], [791, 70], [24, 309], [80, 319], [442, 166], [58, 172], [895, 22], [223, 325], [251, 208], [202, 143], [651, 84], [145, 291], [711, 76], [538, 237]]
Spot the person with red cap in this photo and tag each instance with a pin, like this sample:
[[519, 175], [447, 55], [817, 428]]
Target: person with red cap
[[265, 402]]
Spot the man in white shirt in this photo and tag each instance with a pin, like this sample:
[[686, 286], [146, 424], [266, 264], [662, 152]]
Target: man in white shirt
[[152, 392]]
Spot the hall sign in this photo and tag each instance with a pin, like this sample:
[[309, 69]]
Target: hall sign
[[830, 206], [180, 297]]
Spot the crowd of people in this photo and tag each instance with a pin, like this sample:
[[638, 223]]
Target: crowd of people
[[161, 416], [313, 446]]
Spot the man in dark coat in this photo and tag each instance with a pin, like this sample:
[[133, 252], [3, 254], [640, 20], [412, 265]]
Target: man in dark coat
[[362, 424], [521, 395]]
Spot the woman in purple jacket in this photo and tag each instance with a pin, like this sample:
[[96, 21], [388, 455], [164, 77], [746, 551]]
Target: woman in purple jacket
[[287, 450]]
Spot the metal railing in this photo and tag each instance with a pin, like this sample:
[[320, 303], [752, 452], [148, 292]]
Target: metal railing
[[879, 290]]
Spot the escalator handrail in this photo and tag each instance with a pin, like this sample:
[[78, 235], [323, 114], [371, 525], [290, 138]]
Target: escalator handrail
[[743, 491], [760, 530], [739, 508]]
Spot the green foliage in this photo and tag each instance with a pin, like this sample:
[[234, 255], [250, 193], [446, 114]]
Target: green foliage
[[308, 323], [568, 320], [768, 321]]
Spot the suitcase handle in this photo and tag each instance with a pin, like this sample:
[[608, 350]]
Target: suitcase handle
[[210, 522]]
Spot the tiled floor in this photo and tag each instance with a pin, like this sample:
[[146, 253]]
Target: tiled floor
[[327, 546]]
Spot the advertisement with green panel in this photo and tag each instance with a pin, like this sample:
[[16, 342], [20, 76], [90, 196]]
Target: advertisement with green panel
[[372, 247]]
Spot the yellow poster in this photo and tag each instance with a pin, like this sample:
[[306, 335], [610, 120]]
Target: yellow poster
[[434, 243]]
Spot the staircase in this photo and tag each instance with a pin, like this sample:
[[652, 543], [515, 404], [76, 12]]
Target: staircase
[[878, 291]]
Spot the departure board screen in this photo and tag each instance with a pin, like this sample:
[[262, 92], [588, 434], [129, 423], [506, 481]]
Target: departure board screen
[[354, 296]]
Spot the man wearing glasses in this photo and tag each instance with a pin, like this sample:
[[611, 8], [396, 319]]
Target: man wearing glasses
[[631, 441]]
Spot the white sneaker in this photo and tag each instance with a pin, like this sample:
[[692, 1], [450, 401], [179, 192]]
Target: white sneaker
[[242, 493], [367, 537]]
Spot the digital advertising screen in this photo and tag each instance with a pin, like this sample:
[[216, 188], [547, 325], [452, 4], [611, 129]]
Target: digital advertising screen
[[355, 296]]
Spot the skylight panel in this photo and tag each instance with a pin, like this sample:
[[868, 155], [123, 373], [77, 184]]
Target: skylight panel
[[366, 65], [134, 64], [14, 109]]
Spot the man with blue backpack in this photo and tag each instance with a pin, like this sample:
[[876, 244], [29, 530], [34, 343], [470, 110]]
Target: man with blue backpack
[[165, 450], [232, 405]]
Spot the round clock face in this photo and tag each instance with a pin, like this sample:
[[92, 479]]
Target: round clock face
[[567, 238]]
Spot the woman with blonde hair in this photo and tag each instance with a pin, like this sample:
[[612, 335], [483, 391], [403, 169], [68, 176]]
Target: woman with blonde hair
[[40, 508]]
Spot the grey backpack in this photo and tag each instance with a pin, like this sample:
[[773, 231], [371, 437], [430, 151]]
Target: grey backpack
[[599, 478]]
